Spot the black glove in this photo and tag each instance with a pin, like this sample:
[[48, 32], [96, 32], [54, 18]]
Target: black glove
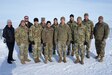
[[72, 42], [44, 44], [85, 43], [32, 42], [4, 40]]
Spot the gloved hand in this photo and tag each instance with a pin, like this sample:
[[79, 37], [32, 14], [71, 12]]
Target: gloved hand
[[4, 41], [85, 43], [72, 42], [44, 44], [32, 42]]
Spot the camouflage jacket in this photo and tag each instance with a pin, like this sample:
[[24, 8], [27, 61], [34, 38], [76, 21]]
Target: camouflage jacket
[[101, 31], [47, 35], [90, 28], [35, 33], [63, 33], [55, 27], [80, 34], [21, 35], [72, 25]]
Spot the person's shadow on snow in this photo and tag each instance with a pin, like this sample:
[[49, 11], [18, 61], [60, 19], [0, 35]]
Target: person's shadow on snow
[[92, 55], [7, 69]]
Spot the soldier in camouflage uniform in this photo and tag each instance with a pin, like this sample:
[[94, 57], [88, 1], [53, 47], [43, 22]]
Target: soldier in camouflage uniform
[[55, 27], [21, 36], [71, 24], [80, 35], [101, 32], [28, 24], [35, 38], [47, 37], [90, 27], [63, 36], [43, 24]]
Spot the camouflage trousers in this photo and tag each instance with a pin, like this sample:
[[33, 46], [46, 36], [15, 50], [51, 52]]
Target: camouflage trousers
[[36, 49], [48, 50], [23, 51], [69, 46], [62, 49], [88, 46], [100, 47], [79, 50]]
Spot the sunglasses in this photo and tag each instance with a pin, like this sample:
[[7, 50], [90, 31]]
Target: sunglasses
[[26, 18]]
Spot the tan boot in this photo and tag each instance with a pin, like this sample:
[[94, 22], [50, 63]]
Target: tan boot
[[64, 60], [23, 62], [60, 60], [101, 59], [46, 60], [50, 59], [36, 60], [77, 60], [82, 60], [28, 60]]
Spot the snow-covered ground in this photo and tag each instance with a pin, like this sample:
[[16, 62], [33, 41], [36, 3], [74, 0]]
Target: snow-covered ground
[[91, 66], [50, 9]]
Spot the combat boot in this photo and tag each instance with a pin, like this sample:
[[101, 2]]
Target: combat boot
[[50, 59], [36, 60], [28, 60], [88, 54], [77, 60], [46, 60], [82, 60], [101, 59], [60, 60], [23, 62], [64, 60]]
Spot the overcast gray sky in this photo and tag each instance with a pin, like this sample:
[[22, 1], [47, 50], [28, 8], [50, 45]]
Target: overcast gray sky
[[17, 9]]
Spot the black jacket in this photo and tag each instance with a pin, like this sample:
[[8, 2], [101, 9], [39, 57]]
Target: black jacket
[[9, 34], [29, 24]]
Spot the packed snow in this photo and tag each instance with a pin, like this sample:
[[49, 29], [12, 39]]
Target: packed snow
[[91, 66], [17, 9]]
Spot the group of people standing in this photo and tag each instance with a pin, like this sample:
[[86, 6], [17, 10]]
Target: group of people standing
[[71, 38]]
